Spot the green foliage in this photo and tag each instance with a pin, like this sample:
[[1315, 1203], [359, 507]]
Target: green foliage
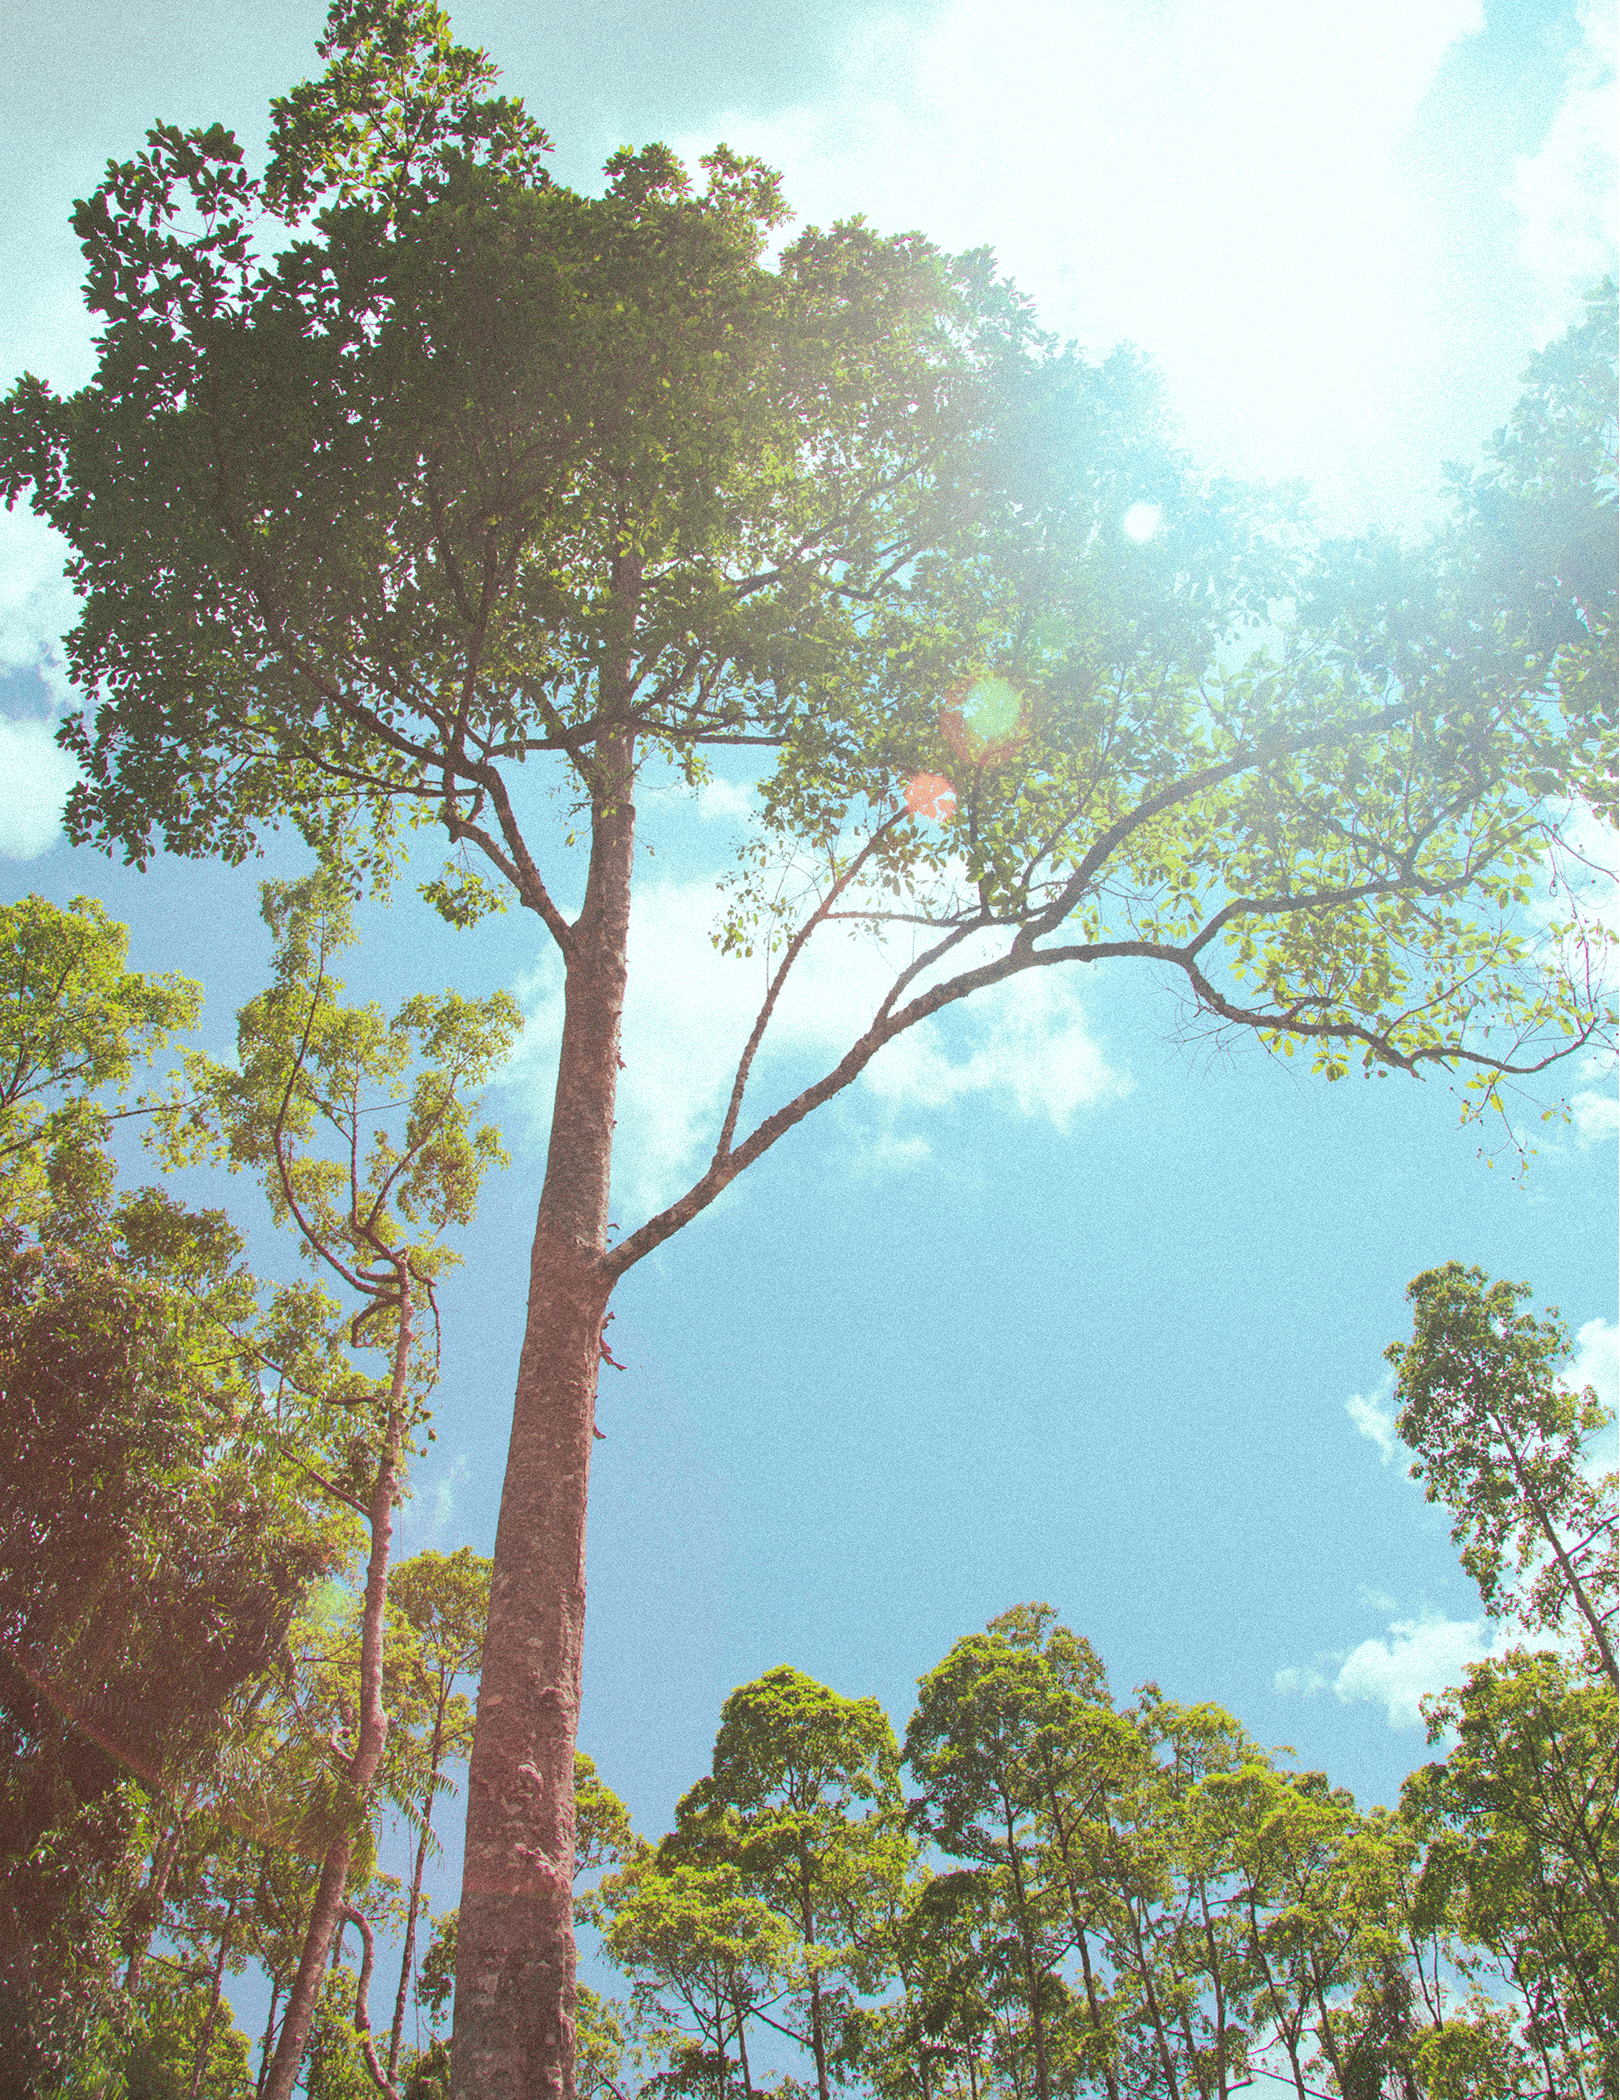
[[705, 1957], [313, 1076], [793, 1764], [478, 470], [156, 1521], [1520, 1824], [1504, 1443], [73, 1022], [159, 2060], [334, 2067]]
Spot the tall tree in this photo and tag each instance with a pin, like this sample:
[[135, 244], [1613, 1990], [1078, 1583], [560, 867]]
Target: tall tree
[[1520, 1825], [972, 1744], [801, 1784], [1506, 1444], [478, 473]]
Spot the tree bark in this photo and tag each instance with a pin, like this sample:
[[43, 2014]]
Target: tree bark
[[513, 2036]]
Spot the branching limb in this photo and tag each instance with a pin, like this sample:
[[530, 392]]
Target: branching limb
[[362, 2014]]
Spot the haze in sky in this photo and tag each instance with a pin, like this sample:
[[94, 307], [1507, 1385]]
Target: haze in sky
[[1061, 1302]]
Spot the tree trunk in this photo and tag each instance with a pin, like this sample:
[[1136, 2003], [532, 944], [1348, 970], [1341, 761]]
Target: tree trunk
[[269, 2039], [1034, 1972], [818, 2024], [205, 2041], [407, 1960], [513, 2037], [150, 1900], [369, 1737]]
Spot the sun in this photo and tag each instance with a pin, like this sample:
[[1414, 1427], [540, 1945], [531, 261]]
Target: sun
[[1141, 522]]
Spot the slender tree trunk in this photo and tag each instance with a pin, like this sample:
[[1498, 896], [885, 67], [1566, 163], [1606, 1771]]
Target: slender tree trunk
[[818, 2024], [415, 1904], [205, 2041], [1078, 1922], [1034, 1973], [151, 1897], [1145, 1971], [269, 2039], [513, 2037], [742, 2049], [369, 1736]]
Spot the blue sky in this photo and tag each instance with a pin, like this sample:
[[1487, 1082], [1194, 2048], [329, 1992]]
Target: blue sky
[[1056, 1303]]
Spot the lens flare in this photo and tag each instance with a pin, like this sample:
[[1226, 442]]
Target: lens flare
[[987, 722], [931, 795]]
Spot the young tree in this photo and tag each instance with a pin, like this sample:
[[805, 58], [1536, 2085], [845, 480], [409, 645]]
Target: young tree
[[307, 1105], [479, 473], [705, 1958]]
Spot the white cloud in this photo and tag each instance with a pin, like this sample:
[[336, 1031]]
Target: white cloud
[[1375, 1422], [1420, 1657], [1033, 1053], [1023, 1045], [1596, 1362], [35, 775], [1565, 191], [724, 802], [1222, 181], [885, 1154], [1595, 1115], [1416, 1659], [36, 606]]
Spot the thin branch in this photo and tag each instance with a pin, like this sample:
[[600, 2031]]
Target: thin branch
[[795, 949]]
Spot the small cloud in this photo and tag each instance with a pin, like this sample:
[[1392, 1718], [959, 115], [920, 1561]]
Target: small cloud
[[1375, 1422], [888, 1154], [37, 605], [1415, 1660], [35, 775], [1596, 1363], [724, 802], [1030, 1049], [689, 1009], [1595, 1115], [1377, 1600], [428, 1513]]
